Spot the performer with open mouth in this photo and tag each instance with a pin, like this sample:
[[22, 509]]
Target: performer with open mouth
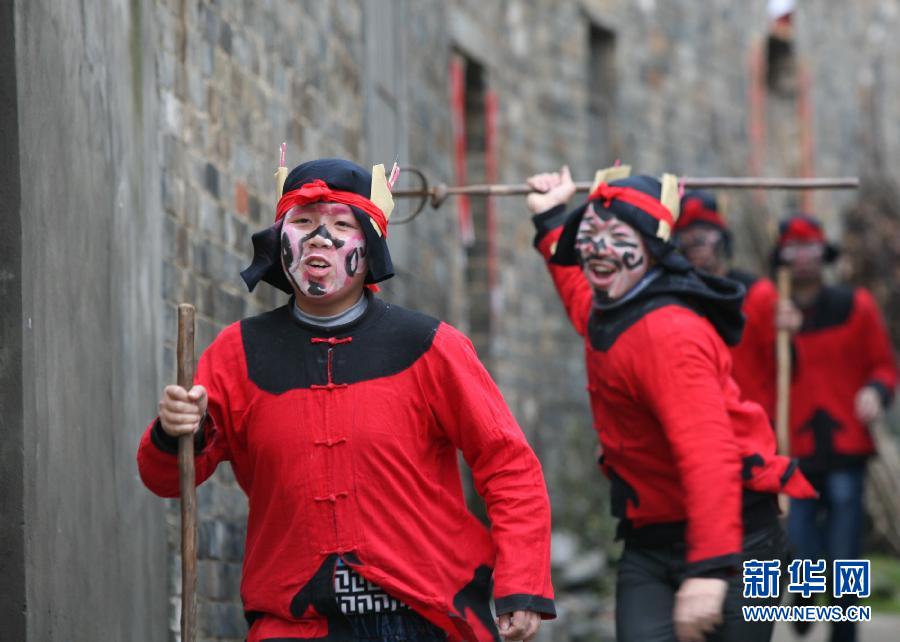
[[342, 417], [693, 469]]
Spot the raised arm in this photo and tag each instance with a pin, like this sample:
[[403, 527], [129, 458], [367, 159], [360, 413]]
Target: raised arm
[[548, 205]]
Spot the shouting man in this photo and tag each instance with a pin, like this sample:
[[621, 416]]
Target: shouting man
[[341, 416], [693, 468]]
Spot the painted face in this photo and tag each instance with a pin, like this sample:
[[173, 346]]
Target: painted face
[[611, 252], [323, 251], [805, 259], [704, 247]]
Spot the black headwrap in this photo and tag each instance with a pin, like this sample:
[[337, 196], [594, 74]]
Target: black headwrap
[[641, 220], [338, 174]]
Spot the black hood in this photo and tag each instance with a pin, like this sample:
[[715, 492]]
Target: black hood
[[715, 298]]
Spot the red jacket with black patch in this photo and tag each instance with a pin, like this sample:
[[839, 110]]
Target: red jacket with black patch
[[345, 441], [753, 357], [841, 347], [684, 453]]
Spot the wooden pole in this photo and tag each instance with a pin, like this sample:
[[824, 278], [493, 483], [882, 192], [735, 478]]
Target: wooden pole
[[783, 364], [783, 380], [441, 191], [188, 489]]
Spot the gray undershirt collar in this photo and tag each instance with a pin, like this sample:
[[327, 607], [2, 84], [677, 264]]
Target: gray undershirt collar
[[639, 287], [349, 315]]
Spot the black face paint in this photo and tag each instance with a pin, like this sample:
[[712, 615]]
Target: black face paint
[[594, 251], [596, 247], [323, 232], [351, 263], [287, 254], [632, 262], [316, 289], [293, 282]]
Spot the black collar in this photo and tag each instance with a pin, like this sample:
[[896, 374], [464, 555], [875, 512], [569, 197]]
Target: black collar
[[717, 299]]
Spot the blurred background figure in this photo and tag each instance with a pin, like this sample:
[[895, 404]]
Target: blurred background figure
[[704, 238], [844, 375]]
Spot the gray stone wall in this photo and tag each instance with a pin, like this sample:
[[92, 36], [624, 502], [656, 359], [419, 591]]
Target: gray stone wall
[[147, 138]]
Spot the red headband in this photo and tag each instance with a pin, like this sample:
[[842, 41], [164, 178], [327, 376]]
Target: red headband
[[694, 210], [802, 231], [318, 191], [634, 197]]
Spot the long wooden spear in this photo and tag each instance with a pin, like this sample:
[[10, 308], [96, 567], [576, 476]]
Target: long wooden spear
[[185, 355], [783, 365], [438, 193]]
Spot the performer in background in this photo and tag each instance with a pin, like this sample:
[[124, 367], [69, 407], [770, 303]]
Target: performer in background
[[843, 376], [702, 235], [693, 469], [342, 416]]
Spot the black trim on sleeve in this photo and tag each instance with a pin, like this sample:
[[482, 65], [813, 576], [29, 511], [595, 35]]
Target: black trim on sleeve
[[750, 462], [886, 394], [790, 470], [525, 602], [714, 566], [169, 444], [546, 222]]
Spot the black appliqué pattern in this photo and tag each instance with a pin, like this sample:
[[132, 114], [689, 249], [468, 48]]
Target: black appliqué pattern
[[356, 595], [823, 427]]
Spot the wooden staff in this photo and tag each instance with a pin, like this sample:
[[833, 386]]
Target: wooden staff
[[783, 364], [186, 480]]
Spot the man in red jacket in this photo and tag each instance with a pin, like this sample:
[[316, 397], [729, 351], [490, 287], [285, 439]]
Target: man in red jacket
[[705, 240], [693, 469], [844, 375], [341, 416]]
